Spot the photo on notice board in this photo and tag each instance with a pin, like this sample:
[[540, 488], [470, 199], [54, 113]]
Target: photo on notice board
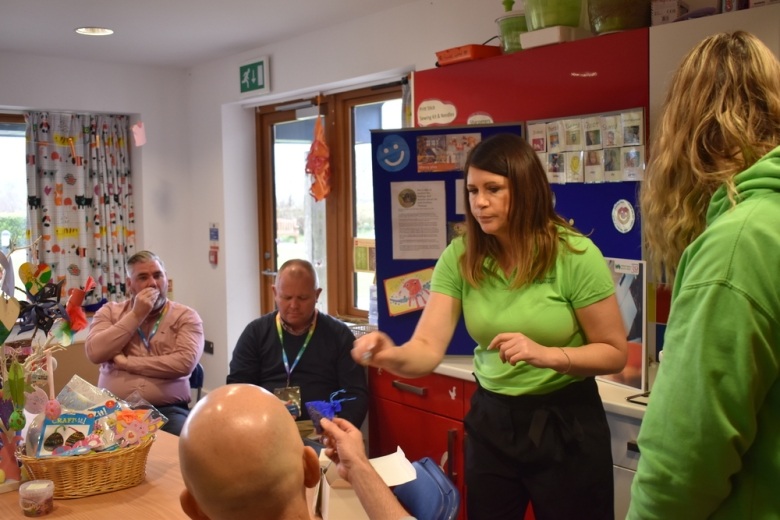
[[444, 152], [455, 229], [631, 291]]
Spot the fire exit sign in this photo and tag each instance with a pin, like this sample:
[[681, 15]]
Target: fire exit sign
[[253, 77]]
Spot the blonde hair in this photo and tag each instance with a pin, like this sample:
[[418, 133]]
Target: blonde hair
[[721, 114]]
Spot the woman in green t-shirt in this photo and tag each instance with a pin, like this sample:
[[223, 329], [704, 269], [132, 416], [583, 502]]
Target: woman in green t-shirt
[[538, 299]]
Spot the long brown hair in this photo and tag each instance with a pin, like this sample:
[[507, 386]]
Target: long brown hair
[[721, 114], [531, 213]]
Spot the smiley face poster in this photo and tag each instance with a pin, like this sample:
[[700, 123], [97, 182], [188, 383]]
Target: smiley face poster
[[393, 153]]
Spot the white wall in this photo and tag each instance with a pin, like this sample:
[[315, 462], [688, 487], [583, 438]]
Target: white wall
[[374, 48], [198, 165], [155, 96]]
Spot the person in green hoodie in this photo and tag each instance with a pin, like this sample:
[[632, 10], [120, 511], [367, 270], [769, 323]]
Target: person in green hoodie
[[710, 439]]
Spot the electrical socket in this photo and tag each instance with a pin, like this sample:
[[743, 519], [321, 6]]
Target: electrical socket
[[208, 347]]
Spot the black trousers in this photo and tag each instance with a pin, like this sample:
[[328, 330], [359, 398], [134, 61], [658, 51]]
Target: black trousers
[[552, 450]]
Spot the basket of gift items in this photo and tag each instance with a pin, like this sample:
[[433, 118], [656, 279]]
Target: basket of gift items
[[95, 444], [84, 439]]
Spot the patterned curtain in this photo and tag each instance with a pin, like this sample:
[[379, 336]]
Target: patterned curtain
[[80, 200]]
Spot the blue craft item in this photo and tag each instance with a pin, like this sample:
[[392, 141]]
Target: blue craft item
[[328, 409]]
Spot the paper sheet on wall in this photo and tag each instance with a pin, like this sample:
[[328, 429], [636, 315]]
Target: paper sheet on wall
[[418, 219], [139, 134]]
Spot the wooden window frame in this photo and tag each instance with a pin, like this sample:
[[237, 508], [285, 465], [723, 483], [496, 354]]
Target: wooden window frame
[[12, 118], [337, 109]]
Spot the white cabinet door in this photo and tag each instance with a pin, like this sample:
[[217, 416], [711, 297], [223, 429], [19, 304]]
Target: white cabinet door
[[623, 478]]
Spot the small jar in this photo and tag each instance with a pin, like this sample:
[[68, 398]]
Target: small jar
[[36, 497]]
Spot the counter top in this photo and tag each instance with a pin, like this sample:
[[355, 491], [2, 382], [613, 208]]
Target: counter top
[[613, 396], [459, 367]]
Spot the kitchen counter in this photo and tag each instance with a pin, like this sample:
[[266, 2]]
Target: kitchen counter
[[613, 396]]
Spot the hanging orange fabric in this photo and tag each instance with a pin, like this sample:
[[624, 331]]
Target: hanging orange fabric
[[318, 163]]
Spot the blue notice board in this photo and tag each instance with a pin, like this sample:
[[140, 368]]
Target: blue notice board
[[436, 154]]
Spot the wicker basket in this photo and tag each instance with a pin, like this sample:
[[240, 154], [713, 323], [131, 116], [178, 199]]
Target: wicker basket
[[91, 474], [360, 329]]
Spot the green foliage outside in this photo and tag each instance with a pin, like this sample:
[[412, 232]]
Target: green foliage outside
[[17, 225]]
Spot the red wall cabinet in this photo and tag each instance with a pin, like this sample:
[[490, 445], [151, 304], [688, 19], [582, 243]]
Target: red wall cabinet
[[423, 416]]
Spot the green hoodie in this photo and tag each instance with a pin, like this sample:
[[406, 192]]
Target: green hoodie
[[710, 439]]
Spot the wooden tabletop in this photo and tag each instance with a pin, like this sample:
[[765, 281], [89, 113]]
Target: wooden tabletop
[[156, 497]]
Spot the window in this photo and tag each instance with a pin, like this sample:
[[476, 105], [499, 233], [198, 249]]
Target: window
[[366, 116], [13, 197], [292, 224]]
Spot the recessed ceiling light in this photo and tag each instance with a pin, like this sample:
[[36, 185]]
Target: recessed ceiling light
[[94, 31]]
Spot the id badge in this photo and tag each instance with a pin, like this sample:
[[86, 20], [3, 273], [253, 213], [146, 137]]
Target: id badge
[[291, 397]]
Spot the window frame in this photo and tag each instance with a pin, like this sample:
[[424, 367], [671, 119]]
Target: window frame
[[339, 132]]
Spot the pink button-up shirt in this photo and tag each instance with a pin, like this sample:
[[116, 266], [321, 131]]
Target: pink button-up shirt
[[161, 374]]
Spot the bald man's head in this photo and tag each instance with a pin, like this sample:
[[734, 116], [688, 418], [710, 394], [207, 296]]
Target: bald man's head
[[242, 457]]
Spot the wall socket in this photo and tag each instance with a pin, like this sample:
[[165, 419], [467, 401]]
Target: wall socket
[[208, 347]]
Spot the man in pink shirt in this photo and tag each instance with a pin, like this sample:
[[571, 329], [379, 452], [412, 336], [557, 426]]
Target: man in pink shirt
[[148, 343]]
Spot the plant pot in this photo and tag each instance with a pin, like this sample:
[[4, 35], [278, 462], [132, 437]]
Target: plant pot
[[550, 13], [511, 26]]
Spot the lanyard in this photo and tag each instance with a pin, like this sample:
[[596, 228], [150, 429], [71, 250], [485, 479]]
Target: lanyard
[[147, 341], [289, 369]]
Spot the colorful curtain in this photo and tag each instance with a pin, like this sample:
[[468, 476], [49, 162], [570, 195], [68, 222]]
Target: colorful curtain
[[80, 200]]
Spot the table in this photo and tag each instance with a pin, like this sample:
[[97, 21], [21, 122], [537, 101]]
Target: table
[[156, 497]]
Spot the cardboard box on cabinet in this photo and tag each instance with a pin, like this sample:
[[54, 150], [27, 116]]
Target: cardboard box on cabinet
[[666, 11], [336, 500]]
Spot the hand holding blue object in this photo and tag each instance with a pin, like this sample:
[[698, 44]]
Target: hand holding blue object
[[328, 409]]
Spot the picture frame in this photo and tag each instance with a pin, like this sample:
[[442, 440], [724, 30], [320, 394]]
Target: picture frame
[[630, 278]]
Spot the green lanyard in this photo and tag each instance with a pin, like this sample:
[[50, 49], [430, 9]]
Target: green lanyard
[[287, 366], [147, 341]]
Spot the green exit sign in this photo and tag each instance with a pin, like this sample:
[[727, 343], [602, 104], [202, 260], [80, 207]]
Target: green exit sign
[[253, 77]]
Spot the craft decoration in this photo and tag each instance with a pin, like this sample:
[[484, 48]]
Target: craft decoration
[[328, 409], [53, 408], [35, 401], [64, 330], [9, 313], [27, 364], [42, 308], [318, 163], [34, 277], [7, 266]]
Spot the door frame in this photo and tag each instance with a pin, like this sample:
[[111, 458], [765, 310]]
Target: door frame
[[266, 118]]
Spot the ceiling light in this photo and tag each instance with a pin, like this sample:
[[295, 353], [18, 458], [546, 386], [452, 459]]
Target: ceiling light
[[94, 31]]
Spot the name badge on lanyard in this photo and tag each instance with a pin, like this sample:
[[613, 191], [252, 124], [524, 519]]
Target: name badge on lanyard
[[291, 395]]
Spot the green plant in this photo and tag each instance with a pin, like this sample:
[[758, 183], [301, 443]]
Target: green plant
[[17, 225]]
